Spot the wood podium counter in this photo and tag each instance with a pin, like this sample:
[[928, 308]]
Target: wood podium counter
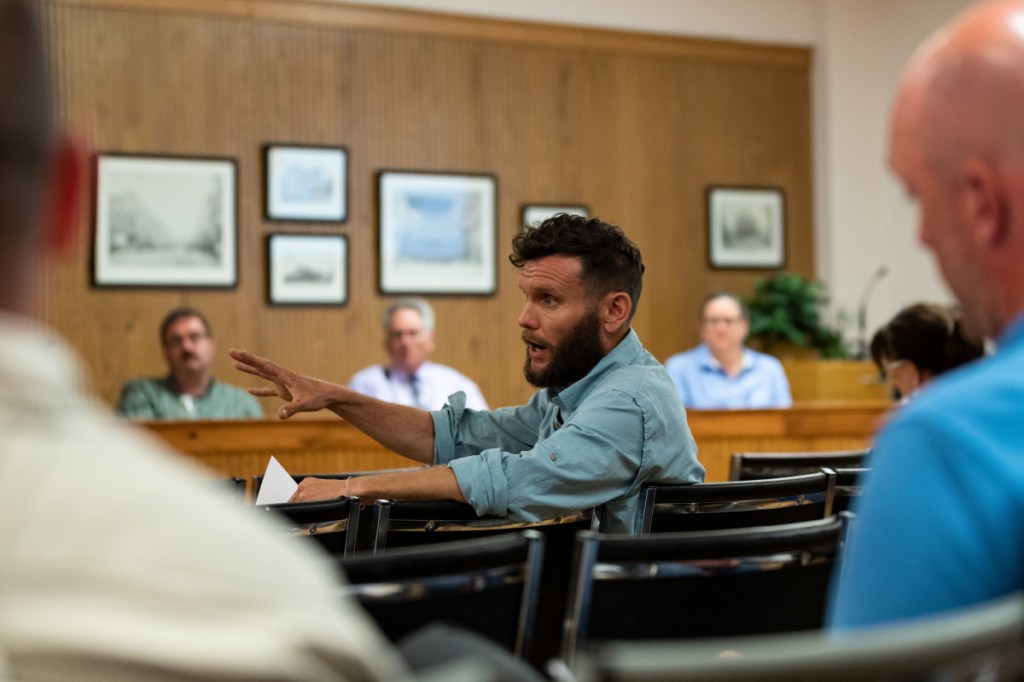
[[304, 446]]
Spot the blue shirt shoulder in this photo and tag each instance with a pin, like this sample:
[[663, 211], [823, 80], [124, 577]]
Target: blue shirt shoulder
[[702, 383], [933, 531]]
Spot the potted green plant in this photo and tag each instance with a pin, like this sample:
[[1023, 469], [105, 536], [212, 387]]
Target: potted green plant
[[785, 310]]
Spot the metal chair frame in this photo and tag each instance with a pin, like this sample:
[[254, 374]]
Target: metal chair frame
[[737, 504], [692, 559]]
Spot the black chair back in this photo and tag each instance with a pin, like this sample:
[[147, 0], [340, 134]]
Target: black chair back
[[748, 466], [333, 523], [489, 585], [849, 485], [413, 523], [700, 584], [236, 485], [737, 504], [983, 642]]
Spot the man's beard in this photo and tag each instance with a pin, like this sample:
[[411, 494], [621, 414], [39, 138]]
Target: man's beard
[[572, 358]]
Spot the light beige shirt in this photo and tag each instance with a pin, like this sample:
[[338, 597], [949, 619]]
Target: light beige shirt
[[118, 560]]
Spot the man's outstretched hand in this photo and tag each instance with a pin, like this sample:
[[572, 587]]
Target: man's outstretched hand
[[300, 392]]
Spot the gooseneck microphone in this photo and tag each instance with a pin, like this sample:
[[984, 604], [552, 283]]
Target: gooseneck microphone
[[862, 311]]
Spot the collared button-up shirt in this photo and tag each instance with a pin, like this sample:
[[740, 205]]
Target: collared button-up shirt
[[159, 398], [433, 384], [703, 384], [593, 444]]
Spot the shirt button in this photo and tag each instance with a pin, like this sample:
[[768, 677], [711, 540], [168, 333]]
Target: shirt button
[[554, 457]]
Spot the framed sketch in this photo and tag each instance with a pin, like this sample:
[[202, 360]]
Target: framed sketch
[[534, 214], [165, 221], [307, 269], [746, 227], [306, 183], [437, 233]]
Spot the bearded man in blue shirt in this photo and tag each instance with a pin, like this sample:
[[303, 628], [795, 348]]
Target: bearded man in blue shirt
[[605, 421]]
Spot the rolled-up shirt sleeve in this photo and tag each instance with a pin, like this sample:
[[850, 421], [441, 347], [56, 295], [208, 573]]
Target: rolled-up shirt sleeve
[[591, 459]]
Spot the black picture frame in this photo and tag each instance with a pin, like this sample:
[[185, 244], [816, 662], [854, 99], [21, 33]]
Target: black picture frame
[[305, 183], [534, 213], [746, 227], [437, 232], [307, 269], [165, 221]]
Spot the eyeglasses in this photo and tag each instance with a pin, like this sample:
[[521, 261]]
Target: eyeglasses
[[727, 321], [891, 366], [194, 338]]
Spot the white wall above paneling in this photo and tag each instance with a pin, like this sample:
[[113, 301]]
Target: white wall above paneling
[[792, 22], [862, 219]]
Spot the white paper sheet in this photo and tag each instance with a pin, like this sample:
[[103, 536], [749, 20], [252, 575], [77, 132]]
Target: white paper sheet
[[278, 486]]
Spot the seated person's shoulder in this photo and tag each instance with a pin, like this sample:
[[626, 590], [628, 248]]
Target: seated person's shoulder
[[373, 374], [689, 357], [238, 402], [764, 358], [138, 396]]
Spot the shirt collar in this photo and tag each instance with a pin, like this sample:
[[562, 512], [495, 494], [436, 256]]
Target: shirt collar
[[708, 361], [394, 373], [172, 385], [622, 355], [1012, 334]]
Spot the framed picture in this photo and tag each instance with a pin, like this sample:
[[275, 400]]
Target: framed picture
[[306, 183], [437, 233], [307, 269], [534, 214], [746, 227], [165, 221]]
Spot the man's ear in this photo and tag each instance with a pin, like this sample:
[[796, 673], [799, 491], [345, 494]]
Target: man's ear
[[63, 193], [985, 211], [614, 310]]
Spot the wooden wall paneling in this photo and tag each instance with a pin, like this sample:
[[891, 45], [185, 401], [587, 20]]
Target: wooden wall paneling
[[242, 448], [634, 126]]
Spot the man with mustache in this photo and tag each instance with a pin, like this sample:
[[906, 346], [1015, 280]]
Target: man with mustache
[[605, 421], [189, 390]]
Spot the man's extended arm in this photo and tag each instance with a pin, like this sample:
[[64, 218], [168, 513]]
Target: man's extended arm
[[405, 430], [435, 483]]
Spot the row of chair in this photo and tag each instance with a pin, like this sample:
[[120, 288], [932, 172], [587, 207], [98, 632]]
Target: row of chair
[[983, 642], [690, 584], [341, 526], [786, 491], [666, 606]]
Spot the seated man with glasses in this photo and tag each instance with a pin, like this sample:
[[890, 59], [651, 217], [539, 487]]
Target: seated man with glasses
[[721, 373], [189, 390]]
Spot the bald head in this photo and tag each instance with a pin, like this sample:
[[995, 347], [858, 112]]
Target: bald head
[[964, 87], [957, 142]]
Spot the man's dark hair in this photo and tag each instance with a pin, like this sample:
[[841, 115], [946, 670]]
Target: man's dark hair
[[611, 262], [180, 313], [26, 127]]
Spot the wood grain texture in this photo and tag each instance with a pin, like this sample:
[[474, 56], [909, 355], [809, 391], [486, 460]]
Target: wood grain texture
[[635, 126], [242, 448]]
